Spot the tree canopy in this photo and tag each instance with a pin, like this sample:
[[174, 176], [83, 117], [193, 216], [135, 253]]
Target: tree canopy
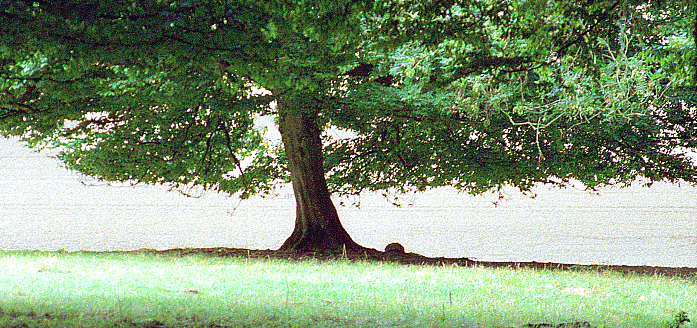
[[475, 94]]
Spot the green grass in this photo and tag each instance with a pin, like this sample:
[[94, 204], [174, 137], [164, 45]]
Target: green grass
[[51, 289]]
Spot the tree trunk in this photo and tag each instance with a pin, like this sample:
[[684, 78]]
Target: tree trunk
[[317, 225]]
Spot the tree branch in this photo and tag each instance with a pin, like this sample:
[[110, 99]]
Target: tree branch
[[600, 18], [232, 153], [365, 70], [202, 46], [562, 50], [19, 104]]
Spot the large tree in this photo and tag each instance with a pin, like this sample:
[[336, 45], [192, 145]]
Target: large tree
[[476, 94]]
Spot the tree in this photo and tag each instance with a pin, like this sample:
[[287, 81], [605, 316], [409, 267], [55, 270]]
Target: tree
[[474, 94]]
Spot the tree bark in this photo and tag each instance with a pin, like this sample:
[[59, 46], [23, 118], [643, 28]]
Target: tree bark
[[317, 225]]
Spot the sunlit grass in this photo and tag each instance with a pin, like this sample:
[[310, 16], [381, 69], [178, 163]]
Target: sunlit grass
[[138, 290]]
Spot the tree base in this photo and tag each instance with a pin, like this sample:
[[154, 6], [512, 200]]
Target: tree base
[[328, 243]]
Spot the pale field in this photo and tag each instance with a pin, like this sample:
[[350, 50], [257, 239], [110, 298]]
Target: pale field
[[43, 206]]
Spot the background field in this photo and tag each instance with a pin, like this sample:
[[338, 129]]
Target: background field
[[43, 206]]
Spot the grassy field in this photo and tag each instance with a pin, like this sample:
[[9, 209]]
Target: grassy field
[[52, 289]]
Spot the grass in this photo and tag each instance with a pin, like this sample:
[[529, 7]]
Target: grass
[[54, 289]]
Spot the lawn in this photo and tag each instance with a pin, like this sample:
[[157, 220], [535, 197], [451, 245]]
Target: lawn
[[58, 289]]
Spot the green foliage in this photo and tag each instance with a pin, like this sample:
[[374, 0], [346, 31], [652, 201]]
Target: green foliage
[[679, 319], [475, 94]]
